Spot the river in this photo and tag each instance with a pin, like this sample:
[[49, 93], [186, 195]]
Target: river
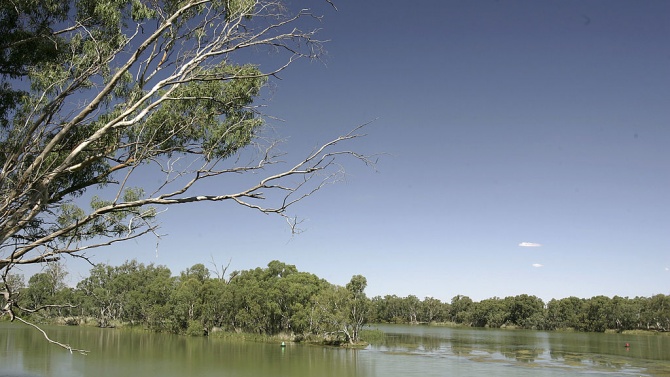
[[407, 351]]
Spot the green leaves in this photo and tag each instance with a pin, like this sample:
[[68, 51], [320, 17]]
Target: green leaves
[[69, 214], [26, 35], [236, 8], [141, 11], [210, 114], [132, 292], [108, 221]]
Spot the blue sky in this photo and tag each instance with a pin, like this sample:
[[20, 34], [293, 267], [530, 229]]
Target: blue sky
[[502, 123]]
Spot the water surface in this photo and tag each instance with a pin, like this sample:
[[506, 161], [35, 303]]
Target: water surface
[[407, 351]]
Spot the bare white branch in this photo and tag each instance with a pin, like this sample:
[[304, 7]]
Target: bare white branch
[[48, 339]]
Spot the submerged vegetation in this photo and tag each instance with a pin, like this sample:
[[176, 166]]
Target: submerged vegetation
[[281, 303]]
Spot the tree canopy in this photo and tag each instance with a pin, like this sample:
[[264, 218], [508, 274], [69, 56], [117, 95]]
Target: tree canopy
[[279, 299], [96, 94], [266, 301]]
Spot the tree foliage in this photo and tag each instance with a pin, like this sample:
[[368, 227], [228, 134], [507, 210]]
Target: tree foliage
[[341, 312], [131, 292], [596, 314], [272, 300], [279, 299]]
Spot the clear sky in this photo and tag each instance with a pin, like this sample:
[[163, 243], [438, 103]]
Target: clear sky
[[505, 123]]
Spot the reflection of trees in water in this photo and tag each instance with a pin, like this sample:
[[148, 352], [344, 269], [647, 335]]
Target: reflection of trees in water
[[432, 344], [568, 357], [599, 361], [602, 351], [461, 350], [413, 343], [569, 351], [510, 345], [402, 342], [579, 350], [520, 346], [608, 362], [522, 354]]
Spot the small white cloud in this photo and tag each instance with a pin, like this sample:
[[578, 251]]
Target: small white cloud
[[537, 265], [529, 244], [667, 268]]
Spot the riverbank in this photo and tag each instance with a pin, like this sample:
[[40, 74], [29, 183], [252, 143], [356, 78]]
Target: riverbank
[[560, 330]]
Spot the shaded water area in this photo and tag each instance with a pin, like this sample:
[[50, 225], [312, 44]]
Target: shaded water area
[[406, 351]]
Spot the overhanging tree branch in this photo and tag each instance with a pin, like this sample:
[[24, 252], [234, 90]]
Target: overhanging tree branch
[[163, 89], [48, 339]]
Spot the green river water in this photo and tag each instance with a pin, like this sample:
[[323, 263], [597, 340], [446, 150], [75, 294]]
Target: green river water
[[406, 351]]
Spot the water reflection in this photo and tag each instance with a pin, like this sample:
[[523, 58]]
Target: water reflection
[[464, 342], [23, 352], [406, 351], [520, 348]]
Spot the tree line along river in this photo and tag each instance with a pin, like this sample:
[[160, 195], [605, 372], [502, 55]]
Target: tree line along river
[[281, 299], [403, 351]]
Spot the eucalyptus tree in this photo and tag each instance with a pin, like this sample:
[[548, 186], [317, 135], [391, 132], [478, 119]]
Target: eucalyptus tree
[[564, 313], [295, 301], [358, 308], [656, 313], [492, 312], [433, 310], [248, 305], [625, 313], [98, 95], [213, 292], [132, 292], [596, 314], [461, 309], [413, 307], [104, 292], [188, 299], [271, 300], [389, 309], [45, 289], [145, 291], [341, 312], [526, 311]]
